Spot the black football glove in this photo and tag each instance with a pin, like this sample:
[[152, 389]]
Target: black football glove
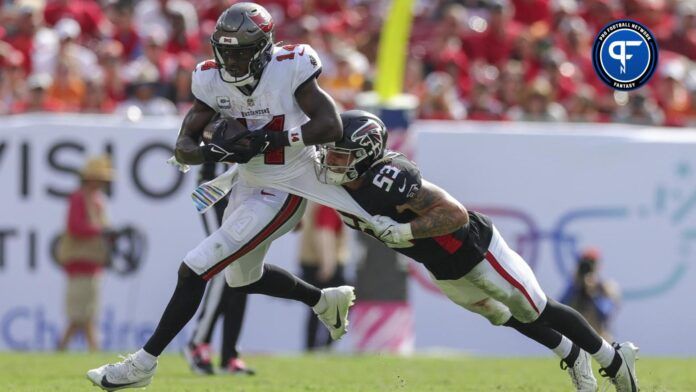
[[227, 150], [263, 140]]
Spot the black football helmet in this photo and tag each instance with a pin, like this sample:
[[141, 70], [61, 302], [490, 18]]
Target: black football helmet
[[243, 43], [363, 143]]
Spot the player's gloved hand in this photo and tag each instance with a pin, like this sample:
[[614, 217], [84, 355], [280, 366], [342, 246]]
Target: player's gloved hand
[[391, 232], [227, 150], [263, 140]]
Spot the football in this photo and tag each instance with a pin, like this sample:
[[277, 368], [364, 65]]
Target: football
[[231, 126]]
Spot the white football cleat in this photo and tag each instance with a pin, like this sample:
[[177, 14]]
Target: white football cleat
[[581, 373], [121, 375], [335, 317], [625, 379]]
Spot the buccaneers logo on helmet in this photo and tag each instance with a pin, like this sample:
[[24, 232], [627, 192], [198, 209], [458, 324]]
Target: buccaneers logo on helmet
[[262, 19]]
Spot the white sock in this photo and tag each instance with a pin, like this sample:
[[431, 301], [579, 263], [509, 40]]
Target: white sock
[[563, 348], [605, 354], [322, 305], [145, 360]]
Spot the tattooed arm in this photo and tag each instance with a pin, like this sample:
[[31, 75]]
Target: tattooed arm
[[438, 212]]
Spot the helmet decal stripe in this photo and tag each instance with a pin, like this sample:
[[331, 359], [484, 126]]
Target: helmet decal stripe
[[262, 19]]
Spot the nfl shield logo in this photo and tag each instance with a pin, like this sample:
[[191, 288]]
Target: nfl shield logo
[[250, 102]]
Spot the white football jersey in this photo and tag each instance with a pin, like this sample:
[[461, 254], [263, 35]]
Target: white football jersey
[[271, 105]]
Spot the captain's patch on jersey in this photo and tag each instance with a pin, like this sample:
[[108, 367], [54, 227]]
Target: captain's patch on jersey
[[224, 102]]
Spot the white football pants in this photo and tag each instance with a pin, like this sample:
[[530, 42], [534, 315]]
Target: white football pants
[[500, 286]]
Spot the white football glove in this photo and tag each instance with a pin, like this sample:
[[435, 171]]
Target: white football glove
[[391, 232]]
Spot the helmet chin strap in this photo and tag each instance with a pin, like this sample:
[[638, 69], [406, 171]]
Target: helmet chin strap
[[244, 80], [336, 178]]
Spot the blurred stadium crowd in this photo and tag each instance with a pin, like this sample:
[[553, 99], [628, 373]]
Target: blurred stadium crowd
[[518, 60]]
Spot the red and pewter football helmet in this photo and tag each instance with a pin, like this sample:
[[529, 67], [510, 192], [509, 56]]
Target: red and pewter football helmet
[[243, 43]]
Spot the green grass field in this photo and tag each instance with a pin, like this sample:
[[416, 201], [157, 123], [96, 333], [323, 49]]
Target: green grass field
[[66, 372]]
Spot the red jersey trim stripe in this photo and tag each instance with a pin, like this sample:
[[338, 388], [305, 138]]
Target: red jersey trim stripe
[[499, 268], [288, 210]]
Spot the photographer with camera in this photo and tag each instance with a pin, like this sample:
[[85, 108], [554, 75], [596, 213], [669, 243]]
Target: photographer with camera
[[596, 299]]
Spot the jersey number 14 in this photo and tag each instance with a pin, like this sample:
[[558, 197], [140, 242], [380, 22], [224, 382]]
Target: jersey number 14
[[275, 156]]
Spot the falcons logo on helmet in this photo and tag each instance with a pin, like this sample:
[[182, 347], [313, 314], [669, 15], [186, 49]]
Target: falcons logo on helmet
[[369, 137]]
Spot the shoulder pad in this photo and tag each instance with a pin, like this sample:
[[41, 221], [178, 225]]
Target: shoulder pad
[[304, 59], [207, 65], [397, 178], [202, 81]]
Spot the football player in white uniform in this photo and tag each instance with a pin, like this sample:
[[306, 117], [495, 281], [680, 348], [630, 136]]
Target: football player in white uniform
[[273, 92]]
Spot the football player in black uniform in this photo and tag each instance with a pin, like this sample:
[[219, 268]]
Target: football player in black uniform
[[463, 251]]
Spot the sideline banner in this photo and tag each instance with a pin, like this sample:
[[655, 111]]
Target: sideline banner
[[553, 189], [630, 192], [39, 160]]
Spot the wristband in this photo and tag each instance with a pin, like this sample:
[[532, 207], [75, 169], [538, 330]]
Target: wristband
[[295, 137]]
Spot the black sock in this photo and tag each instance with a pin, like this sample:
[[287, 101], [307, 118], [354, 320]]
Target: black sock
[[571, 324], [280, 283], [537, 332], [572, 356], [235, 304], [544, 335], [614, 366], [181, 308]]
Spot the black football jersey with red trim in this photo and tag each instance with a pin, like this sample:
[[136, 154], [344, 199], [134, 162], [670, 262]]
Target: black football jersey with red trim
[[393, 181]]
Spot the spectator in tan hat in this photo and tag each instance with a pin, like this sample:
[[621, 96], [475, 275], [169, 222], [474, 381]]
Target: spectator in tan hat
[[84, 249]]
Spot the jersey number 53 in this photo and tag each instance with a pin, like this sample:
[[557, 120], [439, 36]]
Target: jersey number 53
[[386, 176]]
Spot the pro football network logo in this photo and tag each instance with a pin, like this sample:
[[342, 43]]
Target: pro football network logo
[[624, 55]]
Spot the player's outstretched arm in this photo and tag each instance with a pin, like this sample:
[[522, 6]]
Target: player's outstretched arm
[[438, 212], [187, 148], [324, 123]]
